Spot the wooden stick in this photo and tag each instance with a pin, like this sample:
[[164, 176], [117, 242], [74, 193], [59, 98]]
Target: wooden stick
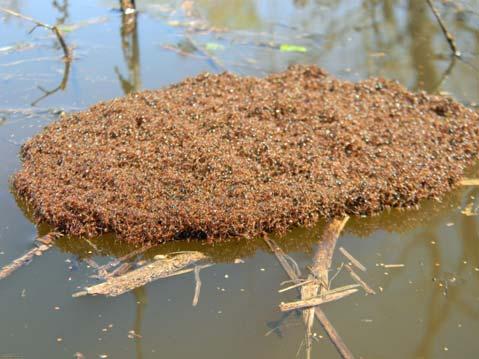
[[198, 283], [358, 280], [45, 243], [323, 319], [117, 261], [312, 302], [297, 285], [353, 260], [445, 31], [115, 286], [469, 182], [320, 270], [53, 28]]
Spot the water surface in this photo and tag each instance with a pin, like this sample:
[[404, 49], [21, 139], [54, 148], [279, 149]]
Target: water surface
[[427, 309]]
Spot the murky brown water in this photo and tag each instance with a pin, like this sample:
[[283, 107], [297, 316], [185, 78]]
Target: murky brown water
[[427, 309]]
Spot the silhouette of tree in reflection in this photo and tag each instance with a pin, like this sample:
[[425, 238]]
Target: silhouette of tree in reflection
[[131, 53]]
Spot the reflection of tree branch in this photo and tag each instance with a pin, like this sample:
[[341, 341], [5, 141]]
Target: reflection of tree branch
[[62, 86], [446, 73], [52, 28], [447, 34]]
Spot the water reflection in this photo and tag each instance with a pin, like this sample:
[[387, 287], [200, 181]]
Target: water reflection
[[131, 53]]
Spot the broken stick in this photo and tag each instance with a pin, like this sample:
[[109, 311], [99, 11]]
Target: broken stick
[[162, 268], [312, 302], [320, 271], [358, 280], [353, 260], [44, 243], [469, 182], [198, 283], [323, 319]]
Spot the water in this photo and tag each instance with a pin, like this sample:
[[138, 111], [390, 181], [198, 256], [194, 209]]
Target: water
[[427, 309]]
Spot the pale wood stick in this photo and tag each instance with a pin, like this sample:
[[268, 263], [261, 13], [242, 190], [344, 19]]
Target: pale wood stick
[[296, 285], [312, 302], [198, 283], [323, 319], [320, 270], [353, 260], [469, 182], [46, 243], [358, 280], [163, 268]]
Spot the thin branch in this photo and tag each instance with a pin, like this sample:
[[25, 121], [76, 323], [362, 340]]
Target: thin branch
[[353, 260], [312, 302], [323, 319], [44, 244], [198, 283], [450, 39], [52, 28]]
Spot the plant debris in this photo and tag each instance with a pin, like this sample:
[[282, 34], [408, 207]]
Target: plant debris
[[219, 156]]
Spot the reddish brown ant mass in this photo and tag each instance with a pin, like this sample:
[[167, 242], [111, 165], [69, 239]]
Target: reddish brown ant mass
[[219, 156]]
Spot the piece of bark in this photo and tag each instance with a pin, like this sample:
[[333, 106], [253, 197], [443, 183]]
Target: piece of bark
[[163, 268]]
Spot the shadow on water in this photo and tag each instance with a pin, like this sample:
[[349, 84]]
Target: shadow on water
[[422, 307]]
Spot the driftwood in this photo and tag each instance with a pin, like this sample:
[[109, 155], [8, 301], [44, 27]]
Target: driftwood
[[469, 182], [44, 243], [328, 327], [312, 302], [320, 271], [353, 260], [163, 268], [358, 280]]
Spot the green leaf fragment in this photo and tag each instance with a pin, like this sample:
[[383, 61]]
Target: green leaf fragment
[[211, 46], [292, 48]]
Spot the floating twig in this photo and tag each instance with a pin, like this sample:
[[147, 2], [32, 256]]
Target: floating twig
[[320, 271], [198, 283], [353, 260], [469, 182], [296, 285], [450, 39], [52, 28], [358, 280], [399, 265], [162, 268], [44, 243], [323, 319], [312, 302]]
